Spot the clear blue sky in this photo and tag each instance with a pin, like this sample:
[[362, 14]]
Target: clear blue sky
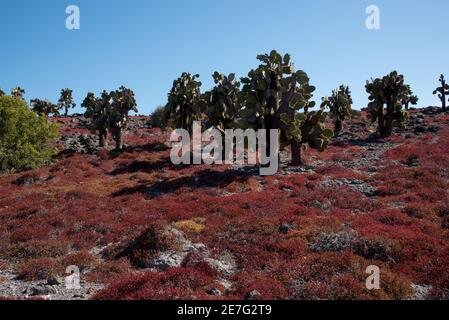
[[145, 44]]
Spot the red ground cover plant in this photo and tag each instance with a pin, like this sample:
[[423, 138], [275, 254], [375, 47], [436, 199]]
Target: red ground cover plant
[[175, 284], [90, 210]]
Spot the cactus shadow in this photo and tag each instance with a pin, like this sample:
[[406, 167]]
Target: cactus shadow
[[150, 147], [143, 166], [202, 180]]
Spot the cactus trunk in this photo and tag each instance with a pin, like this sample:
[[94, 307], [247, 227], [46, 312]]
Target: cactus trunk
[[443, 85], [296, 153], [118, 139], [103, 134], [338, 125], [381, 120], [388, 130]]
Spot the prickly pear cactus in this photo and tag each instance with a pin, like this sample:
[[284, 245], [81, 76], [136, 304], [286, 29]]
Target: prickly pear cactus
[[387, 97], [66, 101], [275, 93], [223, 102], [123, 102], [185, 102], [44, 107], [442, 91], [98, 110], [409, 98], [340, 104], [17, 92]]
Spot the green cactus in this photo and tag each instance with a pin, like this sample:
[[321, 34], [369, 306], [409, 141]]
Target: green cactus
[[387, 96], [442, 92], [98, 109], [340, 104], [123, 102], [409, 98], [185, 102], [274, 94], [223, 102], [17, 92], [66, 101], [44, 107]]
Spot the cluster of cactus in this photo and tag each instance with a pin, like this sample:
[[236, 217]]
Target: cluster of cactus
[[442, 92], [272, 97], [44, 107], [387, 97], [185, 102], [109, 113], [340, 104], [66, 101]]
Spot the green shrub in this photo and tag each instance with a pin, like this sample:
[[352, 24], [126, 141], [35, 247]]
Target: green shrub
[[157, 118], [25, 138]]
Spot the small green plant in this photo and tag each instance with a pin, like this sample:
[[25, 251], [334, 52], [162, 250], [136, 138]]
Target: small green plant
[[442, 92], [340, 104], [26, 139], [185, 102], [66, 101], [44, 107], [387, 96], [157, 118]]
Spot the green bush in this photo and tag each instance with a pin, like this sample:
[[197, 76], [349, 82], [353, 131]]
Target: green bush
[[157, 118], [26, 139]]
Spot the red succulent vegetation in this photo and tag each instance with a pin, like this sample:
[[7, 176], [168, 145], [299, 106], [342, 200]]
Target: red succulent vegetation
[[306, 234]]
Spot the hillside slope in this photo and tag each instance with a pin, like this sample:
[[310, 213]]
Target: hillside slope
[[142, 228]]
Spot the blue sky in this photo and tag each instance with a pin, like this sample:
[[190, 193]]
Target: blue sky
[[146, 44]]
